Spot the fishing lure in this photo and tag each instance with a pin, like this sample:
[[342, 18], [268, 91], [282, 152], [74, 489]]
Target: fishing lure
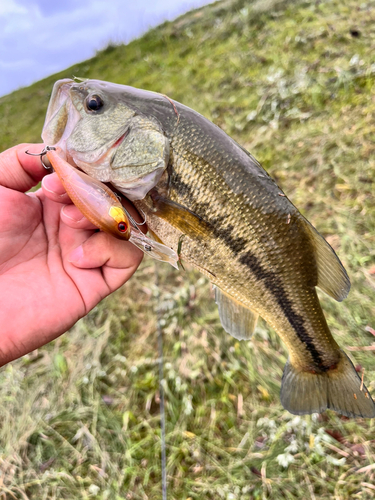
[[101, 206]]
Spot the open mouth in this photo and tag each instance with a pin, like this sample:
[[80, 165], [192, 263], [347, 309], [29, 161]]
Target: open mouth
[[58, 113], [61, 120]]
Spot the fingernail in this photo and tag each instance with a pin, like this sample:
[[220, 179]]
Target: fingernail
[[76, 255], [45, 182], [68, 216]]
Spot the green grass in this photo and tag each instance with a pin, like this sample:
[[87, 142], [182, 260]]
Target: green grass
[[293, 83]]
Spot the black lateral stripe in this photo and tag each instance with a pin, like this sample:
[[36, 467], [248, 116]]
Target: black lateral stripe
[[235, 243], [275, 286], [182, 188], [270, 280], [219, 230]]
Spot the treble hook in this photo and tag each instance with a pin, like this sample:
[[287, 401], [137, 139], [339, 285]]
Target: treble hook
[[41, 154], [132, 220]]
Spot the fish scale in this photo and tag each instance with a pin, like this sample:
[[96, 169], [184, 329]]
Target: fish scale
[[210, 198]]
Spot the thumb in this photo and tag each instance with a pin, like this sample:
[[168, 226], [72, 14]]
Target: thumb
[[20, 171]]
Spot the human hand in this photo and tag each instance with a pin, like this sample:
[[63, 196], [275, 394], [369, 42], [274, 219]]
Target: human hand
[[54, 266]]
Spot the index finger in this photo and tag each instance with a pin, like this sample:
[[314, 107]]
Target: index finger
[[20, 171]]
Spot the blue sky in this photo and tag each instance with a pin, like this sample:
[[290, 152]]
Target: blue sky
[[41, 37]]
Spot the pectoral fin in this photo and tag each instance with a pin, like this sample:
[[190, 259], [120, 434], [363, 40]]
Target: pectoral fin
[[180, 217], [332, 277], [154, 236], [237, 320]]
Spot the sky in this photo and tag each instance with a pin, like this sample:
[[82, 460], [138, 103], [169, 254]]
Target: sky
[[41, 37]]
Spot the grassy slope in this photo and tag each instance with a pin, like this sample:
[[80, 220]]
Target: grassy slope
[[80, 418]]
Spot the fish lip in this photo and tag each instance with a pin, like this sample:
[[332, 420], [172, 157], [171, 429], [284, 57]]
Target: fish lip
[[66, 95], [59, 97]]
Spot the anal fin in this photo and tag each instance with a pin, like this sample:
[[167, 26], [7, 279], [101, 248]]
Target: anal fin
[[237, 320]]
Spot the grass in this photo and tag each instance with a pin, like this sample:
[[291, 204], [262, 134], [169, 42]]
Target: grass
[[294, 83]]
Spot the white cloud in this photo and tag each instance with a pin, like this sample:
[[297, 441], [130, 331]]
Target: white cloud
[[10, 7], [40, 37]]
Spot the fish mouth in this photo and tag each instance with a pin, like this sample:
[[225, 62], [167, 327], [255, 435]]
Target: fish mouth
[[62, 117], [93, 146], [59, 114]]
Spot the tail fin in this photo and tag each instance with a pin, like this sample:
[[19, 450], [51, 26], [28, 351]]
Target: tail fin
[[339, 389]]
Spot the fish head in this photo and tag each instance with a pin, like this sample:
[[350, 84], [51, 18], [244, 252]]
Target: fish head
[[114, 133]]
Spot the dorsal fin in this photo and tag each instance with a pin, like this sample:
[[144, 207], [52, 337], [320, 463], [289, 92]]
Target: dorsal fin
[[332, 277], [237, 320]]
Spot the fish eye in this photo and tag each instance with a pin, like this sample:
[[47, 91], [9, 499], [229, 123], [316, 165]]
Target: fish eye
[[122, 227], [94, 102]]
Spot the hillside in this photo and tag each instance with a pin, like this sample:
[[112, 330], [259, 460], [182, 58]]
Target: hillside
[[293, 82]]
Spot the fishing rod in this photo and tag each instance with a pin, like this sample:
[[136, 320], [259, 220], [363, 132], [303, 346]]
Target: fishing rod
[[161, 388]]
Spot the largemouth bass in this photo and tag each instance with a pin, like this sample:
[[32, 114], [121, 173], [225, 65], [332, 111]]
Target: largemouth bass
[[209, 199]]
